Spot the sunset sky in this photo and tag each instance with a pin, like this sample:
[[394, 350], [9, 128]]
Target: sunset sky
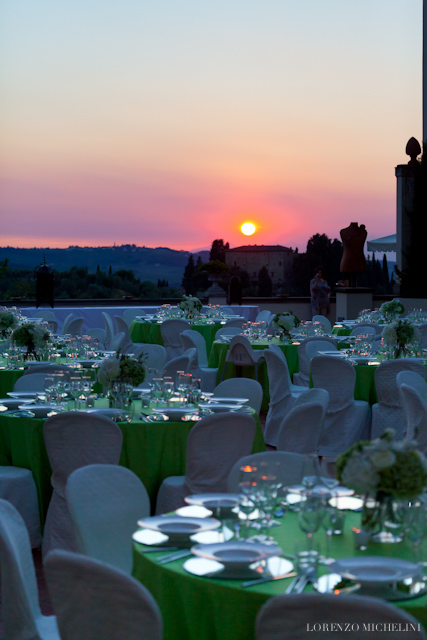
[[172, 122]]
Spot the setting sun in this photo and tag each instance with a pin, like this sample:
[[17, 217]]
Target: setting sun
[[248, 228]]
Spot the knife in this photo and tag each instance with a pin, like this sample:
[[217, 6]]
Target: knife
[[170, 557], [251, 583], [151, 549]]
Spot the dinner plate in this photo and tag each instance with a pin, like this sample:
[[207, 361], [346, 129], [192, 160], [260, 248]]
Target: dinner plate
[[362, 359], [237, 554], [203, 567], [374, 569], [42, 410], [179, 528], [214, 500], [220, 407], [321, 489], [118, 415], [346, 503], [334, 354], [219, 400], [87, 364], [25, 394], [174, 413], [193, 511], [13, 403]]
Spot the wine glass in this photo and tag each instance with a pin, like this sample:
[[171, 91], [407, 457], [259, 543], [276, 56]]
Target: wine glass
[[246, 504], [331, 521], [310, 517], [310, 472]]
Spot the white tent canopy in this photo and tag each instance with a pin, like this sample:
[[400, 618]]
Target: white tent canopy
[[388, 243]]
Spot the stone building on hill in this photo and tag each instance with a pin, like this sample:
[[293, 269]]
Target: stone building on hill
[[252, 258]]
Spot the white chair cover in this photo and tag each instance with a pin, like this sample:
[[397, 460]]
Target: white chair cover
[[206, 375], [296, 617], [105, 501], [213, 446], [21, 614], [66, 324], [241, 388], [228, 331], [415, 380], [74, 440], [46, 314], [109, 327], [415, 414], [122, 327], [347, 420], [302, 378], [264, 316], [301, 430], [191, 338], [75, 328], [388, 412], [176, 365], [171, 334], [291, 467], [314, 348], [30, 382], [99, 334], [154, 359], [130, 314], [228, 311], [365, 330], [281, 398], [115, 344], [327, 326], [95, 601], [18, 487], [234, 323], [278, 351], [241, 354]]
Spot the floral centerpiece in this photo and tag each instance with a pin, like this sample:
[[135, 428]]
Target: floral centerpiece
[[8, 322], [392, 309], [121, 367], [33, 336], [382, 470], [285, 322], [401, 335], [191, 306]]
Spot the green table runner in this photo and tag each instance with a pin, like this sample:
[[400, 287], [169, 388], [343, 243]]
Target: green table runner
[[195, 608], [153, 451]]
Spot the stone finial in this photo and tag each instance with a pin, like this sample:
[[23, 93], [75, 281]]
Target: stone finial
[[413, 149]]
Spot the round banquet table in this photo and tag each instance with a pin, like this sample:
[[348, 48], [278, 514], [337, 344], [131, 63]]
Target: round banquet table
[[149, 332], [198, 608], [152, 450]]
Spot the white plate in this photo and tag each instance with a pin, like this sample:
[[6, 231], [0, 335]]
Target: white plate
[[87, 364], [219, 400], [179, 527], [374, 569], [118, 415], [214, 500], [346, 503], [321, 489], [13, 403], [236, 554], [193, 511], [220, 408], [363, 359], [203, 567], [334, 354], [41, 410], [25, 394], [174, 413]]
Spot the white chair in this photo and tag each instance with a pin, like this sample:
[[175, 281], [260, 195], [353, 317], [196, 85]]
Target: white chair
[[388, 412], [213, 446], [75, 327], [109, 328], [45, 314], [302, 428], [74, 440], [281, 397], [315, 347], [154, 359], [291, 467], [295, 388], [234, 323], [241, 388], [327, 326], [122, 327], [347, 420], [264, 316], [296, 617], [21, 614], [415, 380], [302, 378], [66, 324], [182, 363], [171, 334], [414, 404], [30, 382], [94, 601], [423, 331], [105, 501], [99, 334], [130, 314], [17, 485], [207, 375], [115, 344], [365, 330], [241, 354], [228, 331]]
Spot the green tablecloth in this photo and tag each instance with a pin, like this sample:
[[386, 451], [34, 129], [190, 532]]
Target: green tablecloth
[[219, 352], [149, 332], [153, 451], [8, 379], [341, 331], [195, 608]]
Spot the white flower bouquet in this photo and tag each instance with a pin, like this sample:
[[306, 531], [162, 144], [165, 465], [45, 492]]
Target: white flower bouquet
[[384, 467], [31, 335], [8, 322], [392, 309], [285, 322], [121, 367], [190, 305], [401, 335]]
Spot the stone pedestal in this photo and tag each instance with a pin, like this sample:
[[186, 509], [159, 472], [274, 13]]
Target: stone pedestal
[[405, 177], [352, 300], [215, 293]]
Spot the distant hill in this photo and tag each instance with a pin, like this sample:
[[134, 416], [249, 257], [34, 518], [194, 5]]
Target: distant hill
[[146, 263]]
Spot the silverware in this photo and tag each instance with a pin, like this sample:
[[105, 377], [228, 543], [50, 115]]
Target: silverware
[[151, 549], [292, 586], [301, 584], [252, 583], [171, 557]]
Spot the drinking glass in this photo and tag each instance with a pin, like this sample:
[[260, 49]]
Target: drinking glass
[[310, 517]]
